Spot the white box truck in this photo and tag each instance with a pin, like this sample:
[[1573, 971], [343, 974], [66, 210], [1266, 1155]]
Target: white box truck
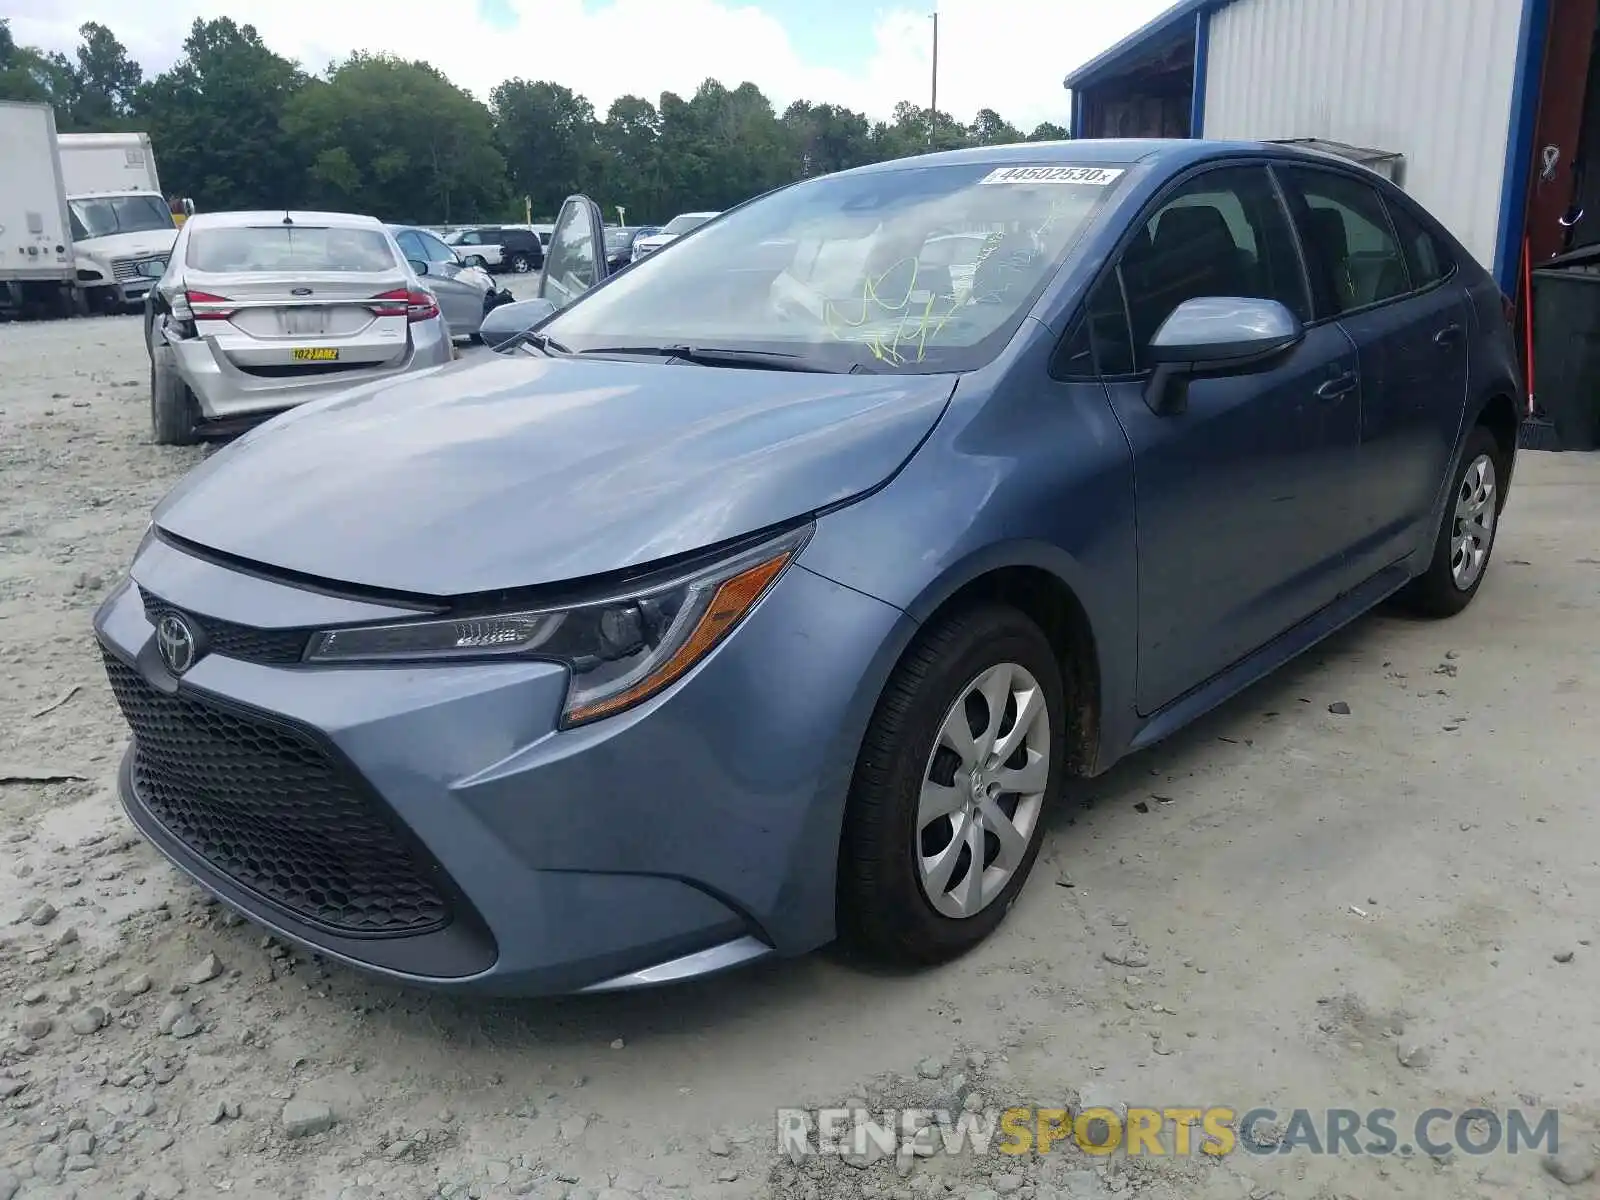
[[122, 226], [36, 253]]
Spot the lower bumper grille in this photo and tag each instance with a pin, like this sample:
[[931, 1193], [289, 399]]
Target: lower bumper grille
[[267, 806]]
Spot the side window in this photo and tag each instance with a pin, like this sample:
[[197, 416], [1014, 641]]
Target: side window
[[1224, 233], [1425, 257], [1100, 345], [1349, 241], [471, 238], [437, 251], [411, 246]]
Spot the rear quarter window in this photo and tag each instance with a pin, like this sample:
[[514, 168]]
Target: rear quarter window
[[289, 248]]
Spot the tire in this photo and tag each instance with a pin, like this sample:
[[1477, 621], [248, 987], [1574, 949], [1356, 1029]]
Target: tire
[[888, 905], [1473, 509], [520, 264], [174, 415]]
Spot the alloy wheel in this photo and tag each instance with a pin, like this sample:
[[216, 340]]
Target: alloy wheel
[[1473, 531], [983, 790]]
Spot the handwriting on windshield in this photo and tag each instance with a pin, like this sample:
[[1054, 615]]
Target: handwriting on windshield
[[914, 322]]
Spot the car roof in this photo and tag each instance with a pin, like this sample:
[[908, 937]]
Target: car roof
[[278, 216], [1171, 152]]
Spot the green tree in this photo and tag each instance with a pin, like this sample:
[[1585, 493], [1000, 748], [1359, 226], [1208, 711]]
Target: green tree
[[107, 80], [549, 137], [398, 140], [827, 137], [216, 120], [988, 128], [1048, 131], [630, 157]]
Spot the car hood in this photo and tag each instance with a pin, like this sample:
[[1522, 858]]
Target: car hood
[[150, 243], [655, 241], [519, 471]]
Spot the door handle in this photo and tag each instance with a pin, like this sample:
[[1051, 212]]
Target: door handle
[[1339, 385], [1447, 335]]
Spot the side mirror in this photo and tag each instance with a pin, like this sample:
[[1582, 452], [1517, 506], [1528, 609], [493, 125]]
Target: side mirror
[[508, 321], [417, 265], [1214, 335]]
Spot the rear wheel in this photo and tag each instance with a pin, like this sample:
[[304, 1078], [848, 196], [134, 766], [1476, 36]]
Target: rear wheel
[[958, 767], [1465, 537], [174, 415], [520, 263]]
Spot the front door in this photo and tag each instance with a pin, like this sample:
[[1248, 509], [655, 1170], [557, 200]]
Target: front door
[[1242, 509], [575, 260], [1378, 269]]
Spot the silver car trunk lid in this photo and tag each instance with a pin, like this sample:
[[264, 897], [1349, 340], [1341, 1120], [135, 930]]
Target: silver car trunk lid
[[318, 321]]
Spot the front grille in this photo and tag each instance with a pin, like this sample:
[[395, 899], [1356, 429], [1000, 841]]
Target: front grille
[[126, 270], [270, 646], [265, 805]]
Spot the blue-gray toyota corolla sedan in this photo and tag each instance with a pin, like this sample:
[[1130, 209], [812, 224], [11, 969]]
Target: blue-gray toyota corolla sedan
[[777, 586]]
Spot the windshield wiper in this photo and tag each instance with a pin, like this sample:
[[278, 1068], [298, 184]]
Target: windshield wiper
[[541, 342], [712, 356]]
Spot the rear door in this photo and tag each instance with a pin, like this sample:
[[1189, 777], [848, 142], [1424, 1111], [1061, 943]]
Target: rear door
[[1395, 297], [290, 298]]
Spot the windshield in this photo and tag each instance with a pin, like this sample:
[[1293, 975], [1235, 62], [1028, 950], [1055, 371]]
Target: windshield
[[119, 214], [686, 222], [914, 269], [289, 248], [616, 239]]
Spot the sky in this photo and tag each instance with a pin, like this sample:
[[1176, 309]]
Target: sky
[[1009, 55]]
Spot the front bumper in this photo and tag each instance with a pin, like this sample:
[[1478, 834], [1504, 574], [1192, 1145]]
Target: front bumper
[[224, 391], [432, 825]]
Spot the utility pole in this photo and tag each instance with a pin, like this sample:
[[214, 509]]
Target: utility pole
[[933, 103]]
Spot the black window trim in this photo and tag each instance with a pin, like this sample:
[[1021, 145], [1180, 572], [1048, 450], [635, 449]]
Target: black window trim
[[1113, 265], [1384, 201]]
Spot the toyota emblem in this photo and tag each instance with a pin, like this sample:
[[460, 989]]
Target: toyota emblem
[[175, 643]]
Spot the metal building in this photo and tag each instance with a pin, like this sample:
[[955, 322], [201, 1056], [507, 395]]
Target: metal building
[[1476, 107]]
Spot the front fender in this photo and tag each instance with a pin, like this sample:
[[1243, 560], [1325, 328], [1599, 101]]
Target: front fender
[[1038, 477]]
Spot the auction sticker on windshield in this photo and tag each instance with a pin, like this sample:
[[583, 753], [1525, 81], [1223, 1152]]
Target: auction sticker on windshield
[[1087, 176]]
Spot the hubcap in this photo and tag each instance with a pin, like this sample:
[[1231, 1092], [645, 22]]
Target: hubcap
[[520, 266], [983, 790], [1473, 531]]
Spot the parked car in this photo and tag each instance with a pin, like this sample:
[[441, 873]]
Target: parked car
[[485, 243], [504, 248], [261, 311], [672, 230], [465, 292], [620, 240], [687, 631]]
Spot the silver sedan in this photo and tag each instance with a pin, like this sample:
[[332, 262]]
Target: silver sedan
[[262, 311]]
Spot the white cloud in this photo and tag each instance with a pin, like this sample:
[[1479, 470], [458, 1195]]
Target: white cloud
[[1009, 55]]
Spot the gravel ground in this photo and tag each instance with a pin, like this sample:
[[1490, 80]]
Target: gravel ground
[[1386, 907]]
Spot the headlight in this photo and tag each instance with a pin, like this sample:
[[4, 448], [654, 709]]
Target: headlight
[[621, 649]]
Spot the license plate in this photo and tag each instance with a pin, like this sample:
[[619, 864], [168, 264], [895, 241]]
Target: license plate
[[315, 354]]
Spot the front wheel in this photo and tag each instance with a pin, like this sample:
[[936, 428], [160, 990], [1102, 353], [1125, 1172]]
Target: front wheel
[[945, 814], [1465, 537]]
